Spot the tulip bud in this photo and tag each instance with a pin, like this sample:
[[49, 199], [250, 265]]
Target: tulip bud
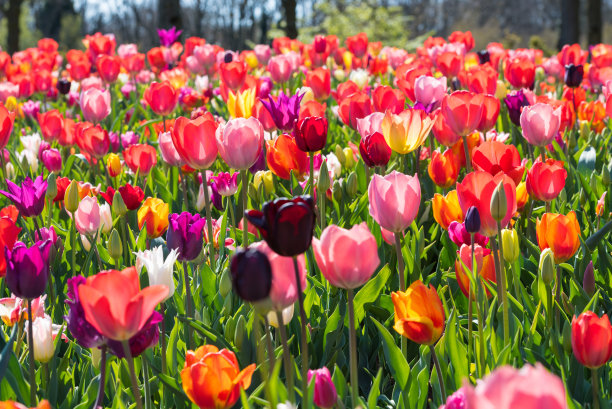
[[340, 155], [573, 75], [351, 185], [349, 158], [324, 181], [119, 208], [251, 274], [583, 197], [472, 220], [287, 315], [71, 197], [547, 266], [239, 332], [499, 203], [588, 280], [230, 329], [9, 171], [339, 75], [501, 90], [567, 338], [510, 245], [106, 219], [113, 165], [51, 186], [96, 356], [325, 395], [605, 175], [227, 306], [86, 243], [225, 283], [252, 192], [201, 200], [337, 191], [571, 140], [115, 247], [266, 178]]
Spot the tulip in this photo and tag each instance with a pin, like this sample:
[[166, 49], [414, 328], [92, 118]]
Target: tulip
[[52, 159], [455, 401], [27, 269], [241, 104], [161, 97], [443, 168], [493, 157], [285, 110], [7, 119], [446, 209], [546, 266], [374, 150], [284, 156], [131, 306], [159, 269], [87, 216], [195, 141], [559, 233], [540, 123], [407, 131], [385, 98], [325, 395], [42, 330], [482, 79], [95, 104], [108, 67], [92, 140], [490, 112], [140, 158], [251, 274], [592, 339], [9, 232], [29, 198], [419, 315], [147, 337], [443, 133], [515, 104], [588, 279], [153, 212], [131, 197], [462, 111], [113, 165], [280, 69], [233, 74], [286, 225], [311, 133], [530, 387], [212, 379], [370, 124], [520, 72], [51, 124], [357, 44], [477, 189], [354, 107], [333, 253], [510, 245], [460, 235], [429, 90], [485, 268], [545, 180], [394, 200], [240, 142], [573, 75], [185, 235], [168, 152], [227, 185]]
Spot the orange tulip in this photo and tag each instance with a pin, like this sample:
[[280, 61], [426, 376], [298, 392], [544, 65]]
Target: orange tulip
[[559, 233], [419, 315], [154, 212], [9, 404], [443, 168], [115, 305], [485, 266], [283, 155], [212, 379], [446, 209]]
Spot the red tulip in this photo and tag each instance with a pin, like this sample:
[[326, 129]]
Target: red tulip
[[386, 98], [443, 168], [477, 188], [195, 140], [442, 132], [6, 125], [406, 76], [67, 135], [464, 38], [51, 124], [132, 196], [92, 140], [311, 133], [233, 74], [520, 72], [449, 63], [108, 67], [462, 111], [9, 232], [482, 79], [319, 80], [494, 157], [358, 44], [546, 180], [490, 112], [592, 339], [161, 97], [354, 107], [140, 158], [374, 150]]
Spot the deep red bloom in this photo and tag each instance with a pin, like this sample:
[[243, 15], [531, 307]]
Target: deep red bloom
[[311, 133], [494, 157], [233, 74], [358, 44], [374, 150], [520, 72], [161, 97], [132, 196], [592, 339], [62, 184]]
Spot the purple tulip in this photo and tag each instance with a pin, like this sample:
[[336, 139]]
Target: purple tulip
[[515, 103], [215, 197], [260, 163], [227, 184], [50, 234], [184, 235], [168, 37], [147, 337], [285, 110], [30, 197], [27, 269], [82, 331]]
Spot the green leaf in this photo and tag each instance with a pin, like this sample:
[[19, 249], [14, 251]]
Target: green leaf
[[368, 294], [375, 390], [453, 344], [396, 360], [7, 352]]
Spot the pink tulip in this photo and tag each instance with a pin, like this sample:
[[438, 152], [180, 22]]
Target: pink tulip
[[52, 159], [168, 152], [531, 387], [347, 258], [280, 69], [540, 123], [370, 124], [205, 55], [240, 141], [284, 290], [394, 200], [87, 216], [92, 82], [263, 53], [429, 90], [95, 104], [8, 89], [325, 395]]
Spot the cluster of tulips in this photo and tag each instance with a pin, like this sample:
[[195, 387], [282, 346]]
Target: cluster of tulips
[[325, 224]]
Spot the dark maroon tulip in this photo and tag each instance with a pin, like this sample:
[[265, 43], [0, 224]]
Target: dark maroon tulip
[[472, 220], [320, 44], [285, 224], [184, 235], [251, 274], [374, 150], [63, 86], [515, 104], [27, 269], [311, 133], [573, 75]]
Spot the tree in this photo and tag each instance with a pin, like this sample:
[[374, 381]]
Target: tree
[[595, 13], [289, 7], [570, 23], [12, 12], [169, 14], [49, 16]]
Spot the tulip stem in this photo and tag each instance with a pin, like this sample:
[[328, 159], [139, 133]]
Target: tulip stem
[[73, 245], [353, 349], [439, 372], [31, 354], [2, 169], [466, 150], [243, 194], [286, 356], [304, 341], [271, 357], [100, 397], [311, 178], [400, 261], [501, 284], [162, 308], [188, 302], [130, 361], [184, 183], [322, 208], [230, 205], [211, 239], [595, 384]]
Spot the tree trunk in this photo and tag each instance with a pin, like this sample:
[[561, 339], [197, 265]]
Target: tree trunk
[[570, 23], [13, 15], [595, 14], [290, 18], [169, 14]]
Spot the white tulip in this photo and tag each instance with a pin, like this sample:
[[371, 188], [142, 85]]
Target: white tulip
[[42, 330], [287, 315], [160, 271], [106, 218]]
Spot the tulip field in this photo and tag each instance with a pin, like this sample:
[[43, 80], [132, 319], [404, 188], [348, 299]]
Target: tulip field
[[324, 224]]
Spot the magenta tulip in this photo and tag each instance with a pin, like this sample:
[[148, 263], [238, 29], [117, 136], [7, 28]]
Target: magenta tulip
[[347, 258], [540, 123], [240, 141], [325, 395], [394, 200]]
